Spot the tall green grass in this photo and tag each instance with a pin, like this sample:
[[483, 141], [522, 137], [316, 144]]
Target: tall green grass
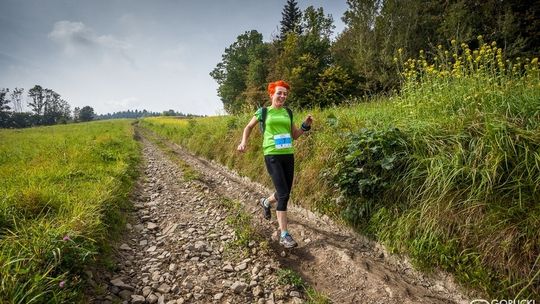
[[460, 191], [62, 192]]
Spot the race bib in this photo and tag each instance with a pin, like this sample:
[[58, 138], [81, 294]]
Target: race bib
[[283, 141]]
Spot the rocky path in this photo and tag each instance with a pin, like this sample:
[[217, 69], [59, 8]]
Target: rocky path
[[179, 248]]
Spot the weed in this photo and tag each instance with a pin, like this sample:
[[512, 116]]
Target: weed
[[316, 297], [289, 276], [240, 220]]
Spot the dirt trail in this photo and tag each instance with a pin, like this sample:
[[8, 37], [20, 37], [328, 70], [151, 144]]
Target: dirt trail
[[334, 260]]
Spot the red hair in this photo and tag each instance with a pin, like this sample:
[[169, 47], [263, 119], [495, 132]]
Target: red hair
[[280, 83]]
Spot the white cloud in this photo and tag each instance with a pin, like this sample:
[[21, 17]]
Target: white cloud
[[76, 38], [174, 60]]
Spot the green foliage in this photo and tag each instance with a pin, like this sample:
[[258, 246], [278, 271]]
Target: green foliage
[[359, 62], [86, 114], [289, 276], [315, 297], [291, 17], [376, 30], [242, 228], [371, 163], [316, 25], [4, 116], [4, 101], [241, 66], [371, 159], [47, 106], [38, 99], [240, 220], [303, 58], [335, 87]]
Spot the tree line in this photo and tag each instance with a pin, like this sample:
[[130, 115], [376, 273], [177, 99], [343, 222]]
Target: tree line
[[144, 113], [128, 114], [46, 106], [359, 62]]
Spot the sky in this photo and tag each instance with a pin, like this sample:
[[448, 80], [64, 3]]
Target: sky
[[115, 55]]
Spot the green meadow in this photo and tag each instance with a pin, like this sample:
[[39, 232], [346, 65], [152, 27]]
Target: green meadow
[[63, 190], [447, 171]]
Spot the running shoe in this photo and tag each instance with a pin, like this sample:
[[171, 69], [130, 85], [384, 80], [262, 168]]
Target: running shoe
[[287, 241], [266, 210]]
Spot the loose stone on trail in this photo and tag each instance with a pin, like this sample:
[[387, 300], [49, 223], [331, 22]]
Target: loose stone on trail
[[178, 248]]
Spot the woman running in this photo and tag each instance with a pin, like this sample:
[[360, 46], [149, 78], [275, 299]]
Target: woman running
[[278, 135]]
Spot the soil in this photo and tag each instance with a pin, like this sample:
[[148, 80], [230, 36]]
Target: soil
[[177, 248]]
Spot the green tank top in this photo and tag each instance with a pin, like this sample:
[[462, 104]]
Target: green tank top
[[277, 137]]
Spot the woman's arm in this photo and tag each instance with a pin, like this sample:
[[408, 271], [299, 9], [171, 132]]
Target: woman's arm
[[245, 136], [297, 132]]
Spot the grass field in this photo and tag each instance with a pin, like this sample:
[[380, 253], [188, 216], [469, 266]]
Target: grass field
[[62, 190], [447, 171]]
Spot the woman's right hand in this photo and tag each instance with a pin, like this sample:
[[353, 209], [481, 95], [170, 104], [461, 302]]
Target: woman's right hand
[[241, 147]]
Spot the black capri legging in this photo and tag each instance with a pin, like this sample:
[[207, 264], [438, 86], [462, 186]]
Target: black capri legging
[[281, 170]]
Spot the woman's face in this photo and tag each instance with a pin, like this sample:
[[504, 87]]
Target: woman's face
[[280, 94]]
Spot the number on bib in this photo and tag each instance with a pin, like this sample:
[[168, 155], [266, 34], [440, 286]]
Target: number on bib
[[283, 141]]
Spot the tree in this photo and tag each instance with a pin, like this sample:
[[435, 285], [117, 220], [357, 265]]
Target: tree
[[86, 113], [65, 111], [76, 114], [21, 120], [291, 18], [4, 101], [301, 58], [335, 86], [51, 107], [16, 99], [55, 109], [255, 94], [134, 114], [46, 105], [376, 29], [4, 108], [169, 112], [316, 24], [38, 99], [232, 72]]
